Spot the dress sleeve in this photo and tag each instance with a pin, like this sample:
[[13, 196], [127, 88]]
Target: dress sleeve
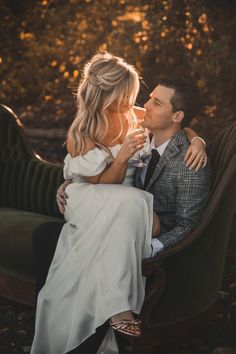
[[90, 164]]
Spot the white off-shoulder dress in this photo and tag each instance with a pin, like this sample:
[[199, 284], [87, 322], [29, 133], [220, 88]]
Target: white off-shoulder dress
[[96, 270]]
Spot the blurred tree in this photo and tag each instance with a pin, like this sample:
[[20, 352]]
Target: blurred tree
[[44, 44]]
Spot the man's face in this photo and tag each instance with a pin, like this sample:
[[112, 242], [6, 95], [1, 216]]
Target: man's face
[[159, 115]]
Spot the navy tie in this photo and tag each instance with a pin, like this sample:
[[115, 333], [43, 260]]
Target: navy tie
[[151, 166]]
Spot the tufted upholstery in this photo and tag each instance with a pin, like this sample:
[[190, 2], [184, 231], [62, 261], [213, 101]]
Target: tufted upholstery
[[26, 182], [27, 198], [221, 151]]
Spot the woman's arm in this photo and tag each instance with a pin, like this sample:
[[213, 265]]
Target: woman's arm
[[195, 157], [116, 171], [190, 133]]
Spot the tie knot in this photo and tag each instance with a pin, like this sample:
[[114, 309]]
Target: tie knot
[[155, 153]]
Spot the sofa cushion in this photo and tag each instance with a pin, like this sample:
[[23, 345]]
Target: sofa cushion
[[16, 228]]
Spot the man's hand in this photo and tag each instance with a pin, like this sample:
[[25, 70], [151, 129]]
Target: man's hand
[[61, 196], [156, 227]]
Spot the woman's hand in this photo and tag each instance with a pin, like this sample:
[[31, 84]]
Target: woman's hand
[[61, 196], [156, 227], [133, 142], [196, 157]]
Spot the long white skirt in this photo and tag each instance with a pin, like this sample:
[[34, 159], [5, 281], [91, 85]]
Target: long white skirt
[[96, 271]]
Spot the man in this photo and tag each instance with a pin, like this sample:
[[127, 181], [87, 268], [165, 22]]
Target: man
[[179, 192]]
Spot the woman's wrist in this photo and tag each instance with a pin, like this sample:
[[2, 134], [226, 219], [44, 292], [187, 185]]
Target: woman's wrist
[[121, 158], [198, 138]]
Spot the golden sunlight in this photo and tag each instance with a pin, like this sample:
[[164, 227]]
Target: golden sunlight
[[131, 16]]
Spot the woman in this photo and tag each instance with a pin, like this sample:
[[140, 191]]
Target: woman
[[96, 272]]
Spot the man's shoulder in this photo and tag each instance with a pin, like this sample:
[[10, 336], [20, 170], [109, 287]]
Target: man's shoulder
[[181, 141], [176, 150], [195, 178], [178, 144]]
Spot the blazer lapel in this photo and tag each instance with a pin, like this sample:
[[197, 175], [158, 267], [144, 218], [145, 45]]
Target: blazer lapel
[[170, 152]]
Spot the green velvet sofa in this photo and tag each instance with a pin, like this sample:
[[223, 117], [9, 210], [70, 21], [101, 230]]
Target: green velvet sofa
[[27, 199]]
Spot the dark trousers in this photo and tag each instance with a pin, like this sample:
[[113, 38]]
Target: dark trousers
[[44, 244]]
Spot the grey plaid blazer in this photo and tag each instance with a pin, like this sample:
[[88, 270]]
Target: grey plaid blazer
[[179, 193]]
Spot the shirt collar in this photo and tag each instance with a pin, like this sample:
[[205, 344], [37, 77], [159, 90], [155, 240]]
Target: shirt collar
[[161, 148]]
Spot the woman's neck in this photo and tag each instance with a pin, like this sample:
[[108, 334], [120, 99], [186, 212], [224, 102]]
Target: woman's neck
[[114, 128]]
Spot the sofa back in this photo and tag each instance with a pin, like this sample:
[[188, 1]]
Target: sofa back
[[26, 181], [192, 271]]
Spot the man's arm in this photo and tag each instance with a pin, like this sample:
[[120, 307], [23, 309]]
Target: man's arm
[[192, 190]]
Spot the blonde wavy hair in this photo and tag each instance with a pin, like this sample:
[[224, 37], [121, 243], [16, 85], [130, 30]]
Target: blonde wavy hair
[[106, 79]]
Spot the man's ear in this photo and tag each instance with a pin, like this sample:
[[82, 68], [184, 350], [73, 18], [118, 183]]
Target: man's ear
[[178, 117]]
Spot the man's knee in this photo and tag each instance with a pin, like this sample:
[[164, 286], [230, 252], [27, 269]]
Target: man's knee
[[44, 243]]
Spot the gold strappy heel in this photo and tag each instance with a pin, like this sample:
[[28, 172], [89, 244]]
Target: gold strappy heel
[[125, 326]]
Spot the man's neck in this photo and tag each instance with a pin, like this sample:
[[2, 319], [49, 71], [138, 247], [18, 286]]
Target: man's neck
[[161, 136]]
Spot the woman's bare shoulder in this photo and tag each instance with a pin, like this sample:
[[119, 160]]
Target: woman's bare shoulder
[[139, 111], [89, 145]]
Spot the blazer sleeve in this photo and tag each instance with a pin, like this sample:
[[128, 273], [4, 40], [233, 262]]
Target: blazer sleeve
[[192, 189]]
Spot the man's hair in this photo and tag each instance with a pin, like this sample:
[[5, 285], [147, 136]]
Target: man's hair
[[186, 97]]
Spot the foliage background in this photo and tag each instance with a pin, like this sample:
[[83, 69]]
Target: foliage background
[[45, 43]]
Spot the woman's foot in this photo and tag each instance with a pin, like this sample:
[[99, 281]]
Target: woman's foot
[[126, 323]]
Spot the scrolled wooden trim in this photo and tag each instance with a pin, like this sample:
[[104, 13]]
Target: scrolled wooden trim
[[16, 289]]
